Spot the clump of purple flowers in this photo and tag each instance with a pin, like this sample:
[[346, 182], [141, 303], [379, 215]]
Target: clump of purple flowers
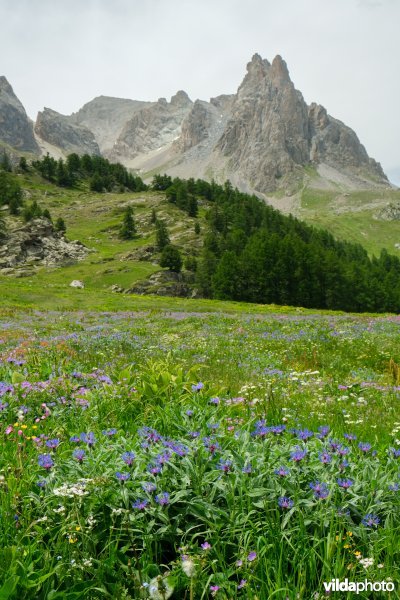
[[345, 483], [140, 504], [122, 476]]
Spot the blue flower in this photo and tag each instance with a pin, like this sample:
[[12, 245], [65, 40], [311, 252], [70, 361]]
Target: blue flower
[[298, 455], [282, 471], [345, 483], [162, 499], [122, 476], [45, 461], [53, 444], [110, 432], [371, 520], [225, 465], [140, 504], [325, 457], [321, 490], [364, 446], [128, 458], [79, 455], [197, 387], [285, 502]]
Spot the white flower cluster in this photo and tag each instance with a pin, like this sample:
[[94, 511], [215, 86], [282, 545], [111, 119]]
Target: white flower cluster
[[69, 490]]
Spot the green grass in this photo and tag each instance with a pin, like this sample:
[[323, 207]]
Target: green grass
[[348, 217], [91, 381]]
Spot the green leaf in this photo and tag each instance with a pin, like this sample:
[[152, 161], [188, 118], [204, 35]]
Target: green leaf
[[8, 588]]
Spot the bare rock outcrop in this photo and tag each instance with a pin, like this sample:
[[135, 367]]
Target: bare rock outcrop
[[37, 243], [153, 127], [60, 131], [16, 128]]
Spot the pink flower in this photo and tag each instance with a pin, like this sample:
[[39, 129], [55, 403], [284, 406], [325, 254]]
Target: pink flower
[[206, 546], [252, 556], [9, 430]]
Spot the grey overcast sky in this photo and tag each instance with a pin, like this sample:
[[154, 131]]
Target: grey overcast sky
[[343, 54]]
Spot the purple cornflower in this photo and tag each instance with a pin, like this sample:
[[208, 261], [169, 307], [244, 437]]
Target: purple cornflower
[[189, 413], [154, 469], [122, 476], [88, 438], [321, 490], [150, 435], [214, 401], [247, 468], [304, 434], [162, 499], [395, 452], [364, 446], [197, 387], [53, 444], [343, 465], [277, 429], [325, 457], [342, 450], [345, 483], [211, 444], [285, 502], [225, 465], [149, 486], [251, 556], [45, 461], [75, 438], [343, 512], [206, 546], [140, 504], [110, 432], [162, 459], [298, 455], [41, 483], [282, 471], [213, 425], [334, 444], [371, 520], [322, 431], [350, 436], [79, 455], [128, 458], [395, 487], [3, 405], [242, 583]]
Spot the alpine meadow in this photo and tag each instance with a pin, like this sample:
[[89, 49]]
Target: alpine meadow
[[199, 338]]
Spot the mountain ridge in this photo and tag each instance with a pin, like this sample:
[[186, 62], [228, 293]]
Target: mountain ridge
[[262, 138]]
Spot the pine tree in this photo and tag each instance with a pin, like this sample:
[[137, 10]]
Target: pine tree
[[5, 162], [128, 228], [153, 217], [171, 258], [162, 235], [60, 225]]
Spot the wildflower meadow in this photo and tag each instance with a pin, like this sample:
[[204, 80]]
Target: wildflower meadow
[[167, 454]]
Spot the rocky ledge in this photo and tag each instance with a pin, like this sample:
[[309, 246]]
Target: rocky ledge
[[36, 244]]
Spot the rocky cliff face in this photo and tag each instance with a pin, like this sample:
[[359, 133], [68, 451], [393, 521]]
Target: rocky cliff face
[[15, 127], [152, 128], [105, 117], [58, 130]]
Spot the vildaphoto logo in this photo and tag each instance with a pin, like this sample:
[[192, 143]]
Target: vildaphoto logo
[[336, 585]]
